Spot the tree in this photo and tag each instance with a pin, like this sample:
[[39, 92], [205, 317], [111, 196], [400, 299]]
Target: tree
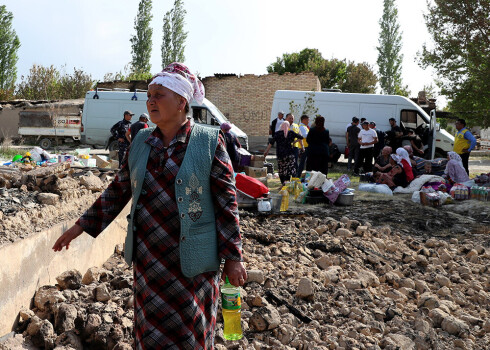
[[389, 56], [47, 83], [9, 44], [359, 78], [332, 73], [141, 42], [460, 55], [174, 36]]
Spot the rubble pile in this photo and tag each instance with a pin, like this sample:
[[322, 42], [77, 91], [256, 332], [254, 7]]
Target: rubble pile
[[314, 282], [31, 200]]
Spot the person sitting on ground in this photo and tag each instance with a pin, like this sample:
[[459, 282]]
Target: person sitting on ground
[[382, 163], [406, 163], [416, 142], [395, 177], [334, 152], [455, 171], [232, 144], [409, 150]]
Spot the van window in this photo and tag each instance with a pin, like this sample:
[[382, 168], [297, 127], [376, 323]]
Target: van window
[[200, 115], [412, 119]]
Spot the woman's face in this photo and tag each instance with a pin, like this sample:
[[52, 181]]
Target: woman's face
[[164, 105]]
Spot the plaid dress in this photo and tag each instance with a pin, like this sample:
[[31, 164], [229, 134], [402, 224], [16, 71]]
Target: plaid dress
[[171, 310]]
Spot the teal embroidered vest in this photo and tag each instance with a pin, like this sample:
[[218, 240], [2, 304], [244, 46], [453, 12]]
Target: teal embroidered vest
[[198, 239]]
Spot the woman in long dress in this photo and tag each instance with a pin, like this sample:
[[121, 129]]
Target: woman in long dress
[[318, 148], [286, 162], [171, 309]]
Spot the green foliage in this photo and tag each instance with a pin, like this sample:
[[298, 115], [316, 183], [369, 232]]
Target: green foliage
[[9, 44], [389, 56], [47, 83], [460, 55], [174, 36], [332, 73], [141, 42]]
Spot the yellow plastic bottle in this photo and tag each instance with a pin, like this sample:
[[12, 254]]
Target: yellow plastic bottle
[[285, 199], [231, 303]]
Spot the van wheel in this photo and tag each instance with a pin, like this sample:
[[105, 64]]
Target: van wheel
[[114, 145], [439, 153], [45, 143]]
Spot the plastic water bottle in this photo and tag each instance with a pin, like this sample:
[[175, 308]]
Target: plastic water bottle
[[231, 303]]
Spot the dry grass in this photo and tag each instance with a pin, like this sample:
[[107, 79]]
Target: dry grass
[[7, 151]]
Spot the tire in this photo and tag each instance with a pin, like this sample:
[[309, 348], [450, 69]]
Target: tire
[[440, 153], [114, 145], [45, 143]]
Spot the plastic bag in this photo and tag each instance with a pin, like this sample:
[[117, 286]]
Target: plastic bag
[[317, 179], [376, 188]]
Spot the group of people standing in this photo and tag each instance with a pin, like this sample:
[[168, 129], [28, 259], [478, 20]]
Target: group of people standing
[[124, 131], [300, 146]]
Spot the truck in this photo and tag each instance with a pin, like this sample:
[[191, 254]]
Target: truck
[[338, 108], [46, 127], [103, 108]]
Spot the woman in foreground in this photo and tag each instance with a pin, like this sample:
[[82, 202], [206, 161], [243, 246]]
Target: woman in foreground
[[183, 221]]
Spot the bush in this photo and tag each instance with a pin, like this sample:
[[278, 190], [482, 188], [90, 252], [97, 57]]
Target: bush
[[47, 83]]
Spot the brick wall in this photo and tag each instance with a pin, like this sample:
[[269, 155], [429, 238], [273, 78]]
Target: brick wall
[[247, 100]]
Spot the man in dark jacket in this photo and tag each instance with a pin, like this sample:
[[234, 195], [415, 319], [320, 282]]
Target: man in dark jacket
[[135, 127], [119, 130]]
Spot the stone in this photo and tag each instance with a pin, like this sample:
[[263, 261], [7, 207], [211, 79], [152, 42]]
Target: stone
[[361, 230], [101, 293], [92, 183], [368, 278], [402, 341], [47, 296], [454, 326], [352, 283], [437, 316], [321, 229], [26, 314], [323, 262], [255, 276], [69, 340], [71, 279], [342, 232], [48, 198], [64, 317], [41, 332], [422, 325], [332, 275], [92, 275], [306, 289], [265, 318], [443, 281], [93, 322]]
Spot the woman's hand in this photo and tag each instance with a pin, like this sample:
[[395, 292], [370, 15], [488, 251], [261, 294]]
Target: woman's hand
[[237, 275], [68, 236]]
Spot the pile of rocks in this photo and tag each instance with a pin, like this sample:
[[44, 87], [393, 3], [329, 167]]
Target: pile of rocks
[[314, 282], [36, 199]]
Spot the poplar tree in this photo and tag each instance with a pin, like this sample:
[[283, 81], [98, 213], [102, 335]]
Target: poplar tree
[[141, 42], [9, 44], [389, 56], [174, 36]]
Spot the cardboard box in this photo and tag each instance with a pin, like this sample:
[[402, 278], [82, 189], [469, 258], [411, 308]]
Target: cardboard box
[[114, 155], [102, 162], [88, 162], [114, 164], [258, 157], [256, 172], [257, 163]]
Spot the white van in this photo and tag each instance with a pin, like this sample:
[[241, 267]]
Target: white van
[[103, 108], [338, 109]]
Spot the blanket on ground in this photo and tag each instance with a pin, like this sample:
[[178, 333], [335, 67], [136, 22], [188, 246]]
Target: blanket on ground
[[417, 183]]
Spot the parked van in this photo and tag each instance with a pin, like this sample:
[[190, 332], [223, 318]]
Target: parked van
[[103, 108], [338, 109]]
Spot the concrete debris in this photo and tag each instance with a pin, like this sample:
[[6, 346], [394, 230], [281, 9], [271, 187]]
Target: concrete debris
[[356, 288]]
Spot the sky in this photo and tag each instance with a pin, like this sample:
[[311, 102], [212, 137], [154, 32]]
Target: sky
[[241, 37]]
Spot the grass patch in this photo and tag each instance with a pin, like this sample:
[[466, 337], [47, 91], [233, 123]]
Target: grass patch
[[8, 152]]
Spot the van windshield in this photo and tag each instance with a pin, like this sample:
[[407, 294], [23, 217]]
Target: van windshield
[[217, 113]]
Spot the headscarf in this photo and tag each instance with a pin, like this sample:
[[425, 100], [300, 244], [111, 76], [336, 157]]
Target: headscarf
[[403, 154], [454, 158], [178, 78], [225, 127], [285, 128], [397, 159]]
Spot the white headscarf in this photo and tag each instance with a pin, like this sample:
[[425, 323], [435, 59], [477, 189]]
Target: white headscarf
[[453, 156], [397, 159], [403, 154], [178, 78]]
